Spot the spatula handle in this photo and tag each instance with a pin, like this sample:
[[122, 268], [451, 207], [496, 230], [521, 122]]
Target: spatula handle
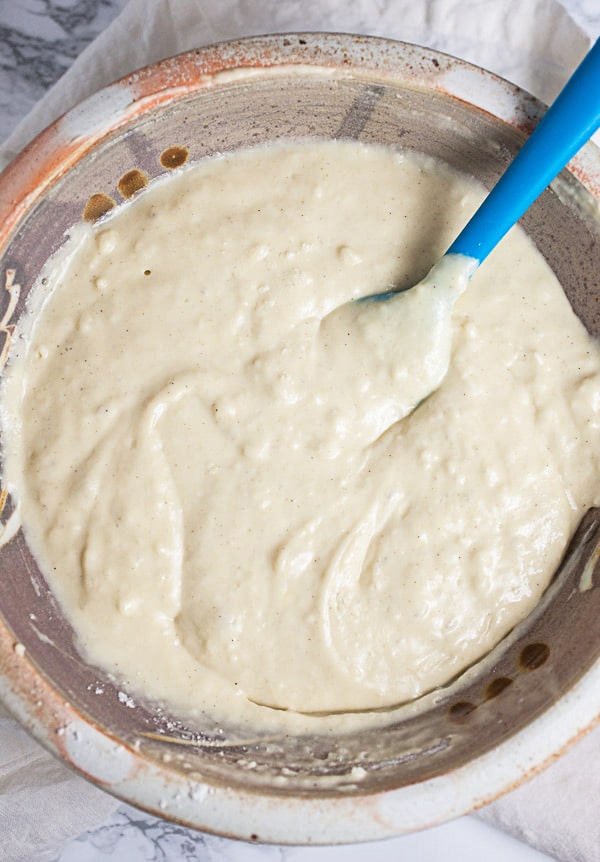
[[565, 127]]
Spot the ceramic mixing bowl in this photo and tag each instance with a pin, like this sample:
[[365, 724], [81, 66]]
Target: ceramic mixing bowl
[[489, 729]]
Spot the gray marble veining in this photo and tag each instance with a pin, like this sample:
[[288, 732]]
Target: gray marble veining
[[130, 834], [39, 39]]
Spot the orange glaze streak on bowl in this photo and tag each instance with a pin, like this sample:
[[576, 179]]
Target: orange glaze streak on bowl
[[186, 72], [591, 180], [51, 154], [44, 706], [47, 714], [36, 168], [24, 182]]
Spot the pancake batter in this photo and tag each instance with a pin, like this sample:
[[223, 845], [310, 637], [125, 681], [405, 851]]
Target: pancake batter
[[232, 498]]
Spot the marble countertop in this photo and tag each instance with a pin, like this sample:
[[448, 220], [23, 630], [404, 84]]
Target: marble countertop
[[39, 39]]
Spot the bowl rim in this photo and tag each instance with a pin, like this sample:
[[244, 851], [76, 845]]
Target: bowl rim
[[81, 744]]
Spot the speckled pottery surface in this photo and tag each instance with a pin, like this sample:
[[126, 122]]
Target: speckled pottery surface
[[488, 730]]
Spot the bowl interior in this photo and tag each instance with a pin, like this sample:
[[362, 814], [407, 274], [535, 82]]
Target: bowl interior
[[537, 662]]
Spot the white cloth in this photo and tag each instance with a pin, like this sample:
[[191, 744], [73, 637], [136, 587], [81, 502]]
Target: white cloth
[[532, 42], [42, 803]]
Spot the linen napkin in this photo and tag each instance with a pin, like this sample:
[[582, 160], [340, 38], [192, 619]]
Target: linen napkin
[[535, 43]]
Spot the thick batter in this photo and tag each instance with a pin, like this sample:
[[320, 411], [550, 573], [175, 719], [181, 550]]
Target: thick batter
[[228, 490]]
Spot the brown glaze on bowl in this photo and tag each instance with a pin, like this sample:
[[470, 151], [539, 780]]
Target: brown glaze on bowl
[[486, 731]]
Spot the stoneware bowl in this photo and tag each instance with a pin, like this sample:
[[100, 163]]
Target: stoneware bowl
[[488, 730]]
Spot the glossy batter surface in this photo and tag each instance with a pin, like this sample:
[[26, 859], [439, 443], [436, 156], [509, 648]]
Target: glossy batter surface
[[228, 490]]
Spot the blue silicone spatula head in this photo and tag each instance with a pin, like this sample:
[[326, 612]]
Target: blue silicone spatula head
[[419, 319], [565, 127]]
